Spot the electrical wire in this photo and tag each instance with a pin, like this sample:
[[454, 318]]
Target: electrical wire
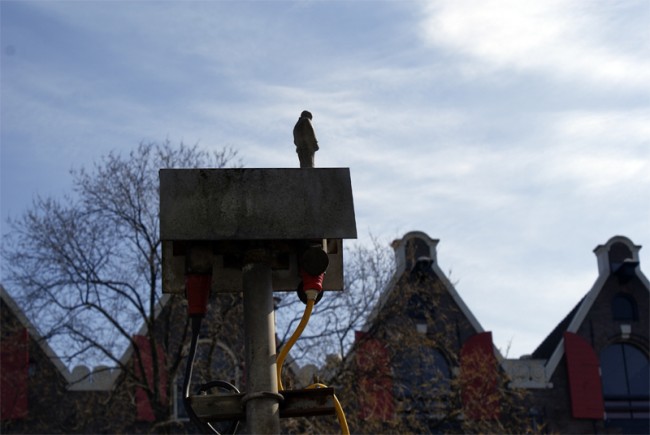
[[285, 351], [217, 384], [234, 425], [205, 427], [337, 406], [292, 340], [196, 327]]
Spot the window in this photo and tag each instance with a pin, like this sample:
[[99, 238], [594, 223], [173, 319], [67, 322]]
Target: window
[[624, 308], [626, 382], [619, 252], [416, 308], [422, 381], [416, 248]]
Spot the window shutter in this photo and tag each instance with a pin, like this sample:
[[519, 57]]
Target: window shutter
[[14, 373], [478, 366], [144, 409], [375, 382], [584, 378]]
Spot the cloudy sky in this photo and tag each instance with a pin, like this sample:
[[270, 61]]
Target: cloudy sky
[[516, 132]]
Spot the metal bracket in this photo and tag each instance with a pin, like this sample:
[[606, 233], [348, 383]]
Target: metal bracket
[[296, 403]]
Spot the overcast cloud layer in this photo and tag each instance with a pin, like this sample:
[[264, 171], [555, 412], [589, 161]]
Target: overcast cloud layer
[[516, 132]]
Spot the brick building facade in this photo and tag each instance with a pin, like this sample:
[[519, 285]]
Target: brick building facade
[[590, 375], [596, 359]]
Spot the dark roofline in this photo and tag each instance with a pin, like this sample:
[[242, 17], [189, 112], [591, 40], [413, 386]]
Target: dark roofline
[[546, 348], [34, 333]]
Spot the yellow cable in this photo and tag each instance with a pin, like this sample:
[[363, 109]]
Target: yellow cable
[[283, 355], [339, 410], [287, 347]]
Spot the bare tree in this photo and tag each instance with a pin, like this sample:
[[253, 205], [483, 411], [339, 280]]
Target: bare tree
[[88, 266], [338, 315]]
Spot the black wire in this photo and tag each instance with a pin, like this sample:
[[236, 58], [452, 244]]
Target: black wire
[[234, 425], [205, 427], [196, 327], [217, 384]]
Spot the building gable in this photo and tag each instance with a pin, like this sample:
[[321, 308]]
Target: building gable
[[416, 253], [618, 262], [33, 332]]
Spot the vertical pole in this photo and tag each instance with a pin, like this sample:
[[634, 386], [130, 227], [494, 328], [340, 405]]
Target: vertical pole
[[262, 409]]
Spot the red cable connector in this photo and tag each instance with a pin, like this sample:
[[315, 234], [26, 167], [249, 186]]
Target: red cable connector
[[197, 291], [311, 287], [312, 282]]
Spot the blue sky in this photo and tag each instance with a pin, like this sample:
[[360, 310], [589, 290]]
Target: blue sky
[[516, 132]]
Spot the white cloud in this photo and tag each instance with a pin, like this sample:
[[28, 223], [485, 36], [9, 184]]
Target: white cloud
[[600, 151], [614, 128], [569, 40]]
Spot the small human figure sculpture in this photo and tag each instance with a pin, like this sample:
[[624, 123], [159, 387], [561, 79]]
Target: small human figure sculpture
[[305, 140]]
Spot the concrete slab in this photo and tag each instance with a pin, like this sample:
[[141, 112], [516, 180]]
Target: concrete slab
[[256, 204]]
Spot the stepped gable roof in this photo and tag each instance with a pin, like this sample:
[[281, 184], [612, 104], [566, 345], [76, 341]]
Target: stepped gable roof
[[424, 248], [619, 251]]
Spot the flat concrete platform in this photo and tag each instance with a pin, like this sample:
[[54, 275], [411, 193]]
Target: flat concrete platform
[[256, 204]]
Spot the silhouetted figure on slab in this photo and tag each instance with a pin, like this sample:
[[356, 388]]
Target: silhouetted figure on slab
[[305, 140]]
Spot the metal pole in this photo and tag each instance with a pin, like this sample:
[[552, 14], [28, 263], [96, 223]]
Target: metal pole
[[262, 409]]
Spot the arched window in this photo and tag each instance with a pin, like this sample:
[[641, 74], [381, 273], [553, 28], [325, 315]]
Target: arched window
[[626, 385], [417, 248], [618, 252], [624, 308]]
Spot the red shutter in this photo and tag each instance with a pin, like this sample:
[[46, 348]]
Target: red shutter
[[478, 366], [584, 378], [375, 382], [14, 371], [144, 410]]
